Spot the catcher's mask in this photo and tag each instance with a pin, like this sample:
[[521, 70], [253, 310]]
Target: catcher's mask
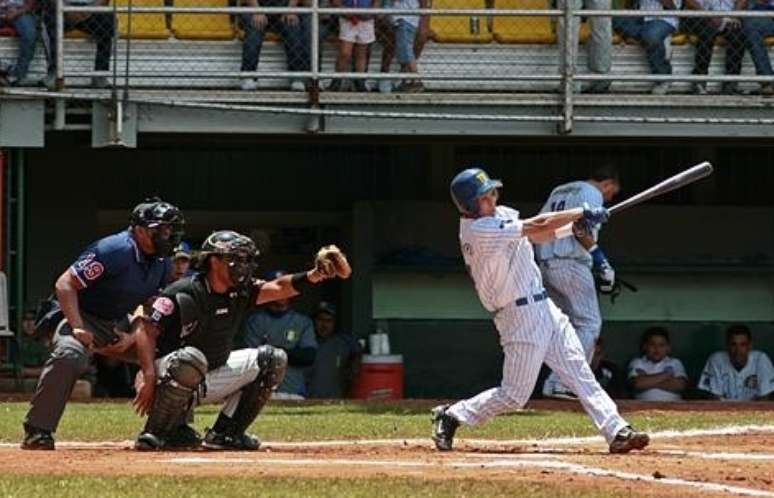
[[236, 250], [163, 221]]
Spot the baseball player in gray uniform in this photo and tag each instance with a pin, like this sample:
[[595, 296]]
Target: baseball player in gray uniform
[[496, 246], [570, 265]]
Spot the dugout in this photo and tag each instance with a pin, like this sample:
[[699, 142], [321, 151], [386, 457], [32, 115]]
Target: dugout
[[702, 257]]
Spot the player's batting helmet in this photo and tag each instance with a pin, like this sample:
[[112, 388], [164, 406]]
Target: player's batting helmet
[[468, 186]]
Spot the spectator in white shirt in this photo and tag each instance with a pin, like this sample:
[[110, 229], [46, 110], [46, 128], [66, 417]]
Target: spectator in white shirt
[[739, 373], [656, 376]]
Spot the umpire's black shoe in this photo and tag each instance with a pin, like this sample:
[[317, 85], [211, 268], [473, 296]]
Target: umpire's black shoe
[[223, 441], [37, 439], [184, 437], [444, 427], [628, 439], [148, 441]]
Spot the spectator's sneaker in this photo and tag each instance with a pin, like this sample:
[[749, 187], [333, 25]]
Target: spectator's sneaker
[[360, 86], [413, 86], [222, 441], [767, 89], [699, 88], [37, 439], [100, 82], [385, 86], [731, 89], [444, 427], [148, 441], [297, 86], [661, 88], [248, 84], [49, 82], [185, 437], [335, 86], [628, 439], [563, 394]]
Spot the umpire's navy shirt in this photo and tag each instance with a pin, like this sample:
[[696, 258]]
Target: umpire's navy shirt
[[117, 276]]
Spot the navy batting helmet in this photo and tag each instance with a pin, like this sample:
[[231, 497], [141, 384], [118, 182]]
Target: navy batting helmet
[[468, 186]]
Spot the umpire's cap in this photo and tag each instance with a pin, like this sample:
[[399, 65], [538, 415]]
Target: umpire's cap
[[153, 212], [468, 186]]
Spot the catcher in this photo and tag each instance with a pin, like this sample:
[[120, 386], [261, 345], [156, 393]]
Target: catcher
[[184, 346]]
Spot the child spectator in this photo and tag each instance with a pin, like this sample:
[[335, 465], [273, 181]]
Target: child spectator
[[356, 33], [656, 376]]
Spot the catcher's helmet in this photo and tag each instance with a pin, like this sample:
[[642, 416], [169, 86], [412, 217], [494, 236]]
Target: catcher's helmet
[[468, 186], [237, 250]]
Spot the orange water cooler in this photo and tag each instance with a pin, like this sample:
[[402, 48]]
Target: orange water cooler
[[380, 377]]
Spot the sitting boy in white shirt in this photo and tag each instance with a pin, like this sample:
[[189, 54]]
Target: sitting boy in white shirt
[[656, 376]]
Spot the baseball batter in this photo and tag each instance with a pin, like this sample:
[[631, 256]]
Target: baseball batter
[[569, 265], [496, 246], [184, 349]]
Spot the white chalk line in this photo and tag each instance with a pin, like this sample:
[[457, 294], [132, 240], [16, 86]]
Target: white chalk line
[[718, 456], [509, 462], [570, 440]]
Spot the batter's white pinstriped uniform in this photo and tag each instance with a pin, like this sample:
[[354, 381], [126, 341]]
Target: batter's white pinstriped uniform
[[566, 268], [501, 262]]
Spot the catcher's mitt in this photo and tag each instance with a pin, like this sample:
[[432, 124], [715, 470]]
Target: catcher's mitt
[[331, 262]]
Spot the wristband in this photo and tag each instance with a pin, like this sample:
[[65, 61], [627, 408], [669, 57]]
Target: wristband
[[300, 282]]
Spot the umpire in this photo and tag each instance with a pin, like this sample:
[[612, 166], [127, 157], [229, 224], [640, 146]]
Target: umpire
[[90, 311], [184, 349]]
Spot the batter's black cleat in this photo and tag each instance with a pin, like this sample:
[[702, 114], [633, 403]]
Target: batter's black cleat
[[628, 439], [444, 427], [148, 441], [182, 438], [223, 441], [37, 439]]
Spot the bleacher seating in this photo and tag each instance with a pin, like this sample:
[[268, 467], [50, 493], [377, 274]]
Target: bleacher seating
[[202, 26], [144, 26], [460, 29], [523, 29]]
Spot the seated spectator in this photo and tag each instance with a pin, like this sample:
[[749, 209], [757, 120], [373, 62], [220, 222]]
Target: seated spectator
[[101, 27], [656, 376], [739, 373], [756, 29], [707, 29], [356, 34], [607, 373], [278, 325], [338, 357], [181, 263], [655, 34], [404, 35], [20, 15], [295, 39], [34, 350]]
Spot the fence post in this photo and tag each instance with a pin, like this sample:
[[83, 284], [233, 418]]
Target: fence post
[[568, 74]]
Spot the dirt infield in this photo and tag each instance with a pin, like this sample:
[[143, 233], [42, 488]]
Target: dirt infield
[[693, 463]]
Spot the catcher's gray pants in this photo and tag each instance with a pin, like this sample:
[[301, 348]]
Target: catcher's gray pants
[[601, 42], [224, 383], [570, 286]]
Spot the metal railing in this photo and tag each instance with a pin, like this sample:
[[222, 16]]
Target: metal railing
[[495, 64]]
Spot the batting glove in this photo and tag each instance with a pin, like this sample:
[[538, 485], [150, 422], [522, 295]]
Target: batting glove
[[595, 215]]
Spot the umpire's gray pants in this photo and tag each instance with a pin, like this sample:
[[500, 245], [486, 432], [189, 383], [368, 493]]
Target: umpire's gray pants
[[69, 360], [600, 44]]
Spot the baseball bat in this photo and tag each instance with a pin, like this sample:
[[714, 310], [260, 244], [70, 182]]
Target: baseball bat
[[682, 179]]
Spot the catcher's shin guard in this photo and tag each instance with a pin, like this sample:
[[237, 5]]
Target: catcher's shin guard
[[185, 370], [272, 364]]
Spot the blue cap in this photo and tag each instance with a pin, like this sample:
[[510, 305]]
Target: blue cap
[[183, 250]]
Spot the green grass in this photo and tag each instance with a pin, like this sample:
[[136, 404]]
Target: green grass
[[200, 487], [115, 421]]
